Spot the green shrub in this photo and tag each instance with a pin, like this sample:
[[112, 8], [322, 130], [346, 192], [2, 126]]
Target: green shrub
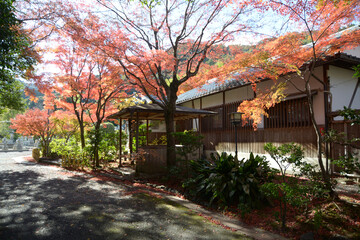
[[226, 181], [292, 191], [36, 154], [190, 142], [70, 152], [107, 140]]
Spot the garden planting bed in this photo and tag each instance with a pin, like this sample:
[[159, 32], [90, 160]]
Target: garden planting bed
[[325, 218]]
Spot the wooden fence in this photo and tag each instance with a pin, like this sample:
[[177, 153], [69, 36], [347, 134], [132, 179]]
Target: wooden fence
[[253, 141], [350, 132]]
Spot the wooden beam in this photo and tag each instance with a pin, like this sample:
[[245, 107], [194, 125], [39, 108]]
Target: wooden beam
[[137, 132], [159, 115], [200, 125], [130, 136], [223, 111], [147, 132]]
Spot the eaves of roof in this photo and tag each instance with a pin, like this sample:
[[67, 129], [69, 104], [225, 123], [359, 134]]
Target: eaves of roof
[[209, 88], [155, 112]]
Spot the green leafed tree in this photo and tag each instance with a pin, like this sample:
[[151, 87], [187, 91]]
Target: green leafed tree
[[16, 56]]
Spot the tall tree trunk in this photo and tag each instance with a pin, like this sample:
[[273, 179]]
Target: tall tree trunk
[[319, 141], [170, 147], [96, 145], [82, 134]]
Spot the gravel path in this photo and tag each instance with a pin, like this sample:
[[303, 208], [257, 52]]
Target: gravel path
[[46, 202]]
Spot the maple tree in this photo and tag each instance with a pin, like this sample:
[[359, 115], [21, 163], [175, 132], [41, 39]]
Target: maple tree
[[35, 122], [293, 57], [88, 82], [109, 86], [161, 45], [66, 124], [70, 90], [321, 22]]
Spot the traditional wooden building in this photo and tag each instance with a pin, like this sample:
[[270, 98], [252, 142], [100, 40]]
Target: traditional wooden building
[[288, 121]]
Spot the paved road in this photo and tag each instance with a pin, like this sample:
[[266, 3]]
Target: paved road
[[46, 202]]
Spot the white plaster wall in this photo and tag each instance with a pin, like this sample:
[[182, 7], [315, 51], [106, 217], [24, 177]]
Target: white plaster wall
[[187, 104], [318, 101], [296, 83], [342, 85], [237, 94], [197, 103], [354, 52], [212, 100]]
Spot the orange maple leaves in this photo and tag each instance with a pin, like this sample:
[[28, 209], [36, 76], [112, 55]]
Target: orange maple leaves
[[33, 122]]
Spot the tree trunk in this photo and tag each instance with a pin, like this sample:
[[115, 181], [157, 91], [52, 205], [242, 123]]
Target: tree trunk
[[96, 145], [45, 147], [324, 172], [82, 134], [283, 213], [170, 148]]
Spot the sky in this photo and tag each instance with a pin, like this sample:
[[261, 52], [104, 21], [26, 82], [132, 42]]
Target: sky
[[266, 25]]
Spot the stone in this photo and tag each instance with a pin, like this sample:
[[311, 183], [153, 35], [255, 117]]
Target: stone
[[5, 147], [18, 146]]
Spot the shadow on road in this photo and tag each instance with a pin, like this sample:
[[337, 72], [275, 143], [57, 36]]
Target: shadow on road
[[52, 205]]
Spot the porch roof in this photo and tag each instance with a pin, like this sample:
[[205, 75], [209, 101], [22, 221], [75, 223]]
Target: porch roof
[[155, 112]]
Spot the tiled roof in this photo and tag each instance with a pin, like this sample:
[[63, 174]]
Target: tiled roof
[[212, 86]]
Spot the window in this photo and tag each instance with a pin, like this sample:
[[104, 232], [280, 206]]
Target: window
[[221, 120], [213, 122], [291, 113], [233, 107]]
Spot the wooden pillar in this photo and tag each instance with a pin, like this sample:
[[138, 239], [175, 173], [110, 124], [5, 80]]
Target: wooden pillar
[[130, 137], [137, 132], [120, 142], [200, 116], [223, 110], [326, 110], [147, 132]]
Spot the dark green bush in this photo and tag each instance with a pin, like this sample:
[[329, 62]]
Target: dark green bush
[[107, 140], [227, 181], [190, 142]]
